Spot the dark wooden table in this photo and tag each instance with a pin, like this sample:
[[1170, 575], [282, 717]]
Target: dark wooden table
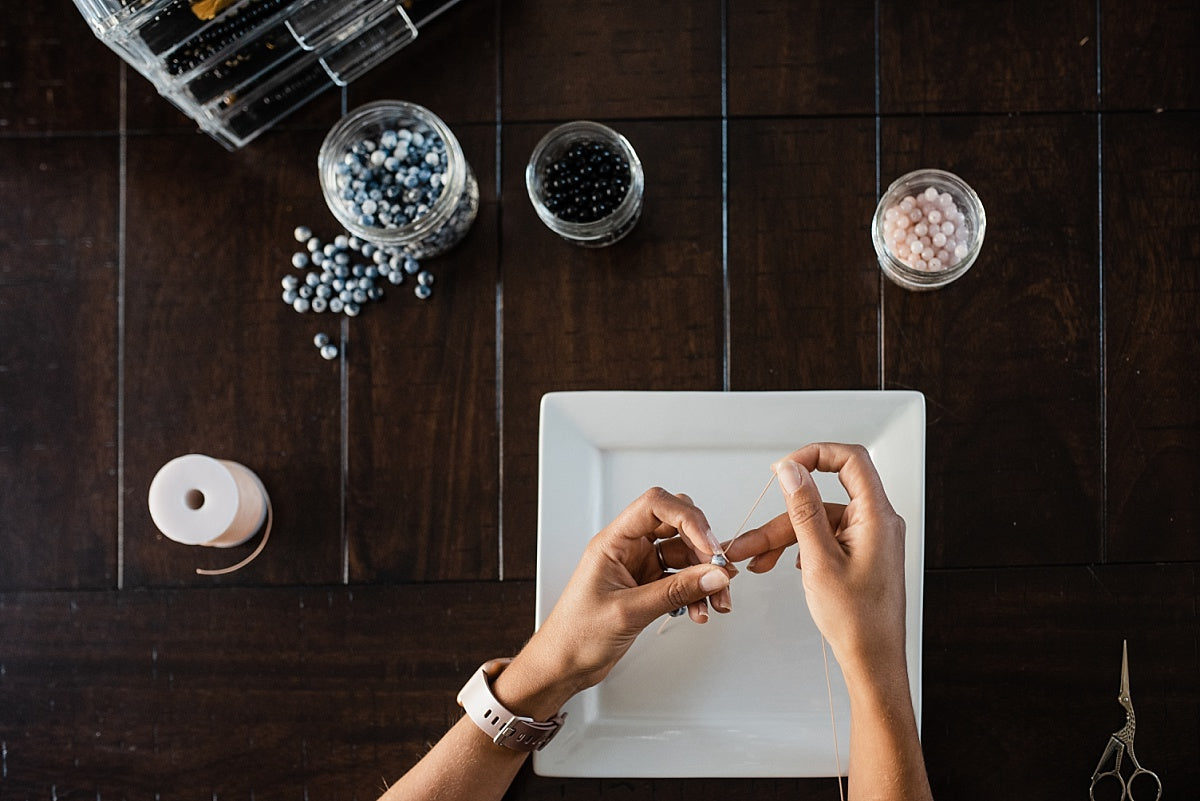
[[140, 319]]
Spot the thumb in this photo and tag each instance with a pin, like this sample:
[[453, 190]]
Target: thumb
[[653, 600], [806, 511]]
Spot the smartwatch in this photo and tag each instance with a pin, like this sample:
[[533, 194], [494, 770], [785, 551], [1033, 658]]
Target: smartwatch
[[511, 731]]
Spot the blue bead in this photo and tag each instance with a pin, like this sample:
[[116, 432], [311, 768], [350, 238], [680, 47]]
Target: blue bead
[[423, 292], [319, 304], [290, 296], [302, 233], [290, 282], [299, 260], [312, 279], [329, 352], [336, 305], [352, 309], [301, 305], [425, 278], [321, 340], [411, 265], [305, 292], [396, 277]]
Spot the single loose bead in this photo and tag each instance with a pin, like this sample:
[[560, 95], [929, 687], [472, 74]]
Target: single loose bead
[[931, 194], [312, 279], [718, 560], [313, 245], [425, 278], [336, 305], [302, 233], [289, 296], [319, 304], [329, 352], [299, 260], [305, 291], [411, 265], [321, 340], [908, 203], [960, 252], [290, 282], [301, 305], [423, 292], [351, 309]]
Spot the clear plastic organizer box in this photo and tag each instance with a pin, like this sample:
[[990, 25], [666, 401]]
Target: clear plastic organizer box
[[238, 67]]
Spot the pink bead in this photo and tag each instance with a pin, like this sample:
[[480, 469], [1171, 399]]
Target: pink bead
[[934, 264], [891, 214], [925, 241], [902, 252], [928, 253], [944, 256], [919, 264], [908, 203], [911, 239], [897, 235], [931, 194], [939, 240], [934, 216], [960, 251], [945, 199], [915, 215], [903, 222], [921, 229], [947, 228]]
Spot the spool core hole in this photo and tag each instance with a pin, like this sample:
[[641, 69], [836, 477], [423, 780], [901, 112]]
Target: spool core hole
[[194, 499]]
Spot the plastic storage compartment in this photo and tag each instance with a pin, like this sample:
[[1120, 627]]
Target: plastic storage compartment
[[237, 68]]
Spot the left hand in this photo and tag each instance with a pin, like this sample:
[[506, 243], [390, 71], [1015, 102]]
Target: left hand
[[619, 588]]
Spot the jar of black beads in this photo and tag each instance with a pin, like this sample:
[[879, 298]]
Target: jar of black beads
[[586, 183]]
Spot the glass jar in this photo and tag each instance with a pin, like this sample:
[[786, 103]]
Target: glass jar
[[928, 229], [614, 206], [378, 183]]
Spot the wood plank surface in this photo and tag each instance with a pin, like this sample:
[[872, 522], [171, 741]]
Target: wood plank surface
[[804, 287], [140, 319], [1152, 335], [42, 50], [801, 58], [58, 371], [423, 435], [945, 57], [564, 60], [1008, 355], [644, 313]]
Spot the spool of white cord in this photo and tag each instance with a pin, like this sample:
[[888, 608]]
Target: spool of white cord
[[198, 500]]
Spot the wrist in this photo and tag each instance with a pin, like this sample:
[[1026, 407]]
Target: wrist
[[533, 687]]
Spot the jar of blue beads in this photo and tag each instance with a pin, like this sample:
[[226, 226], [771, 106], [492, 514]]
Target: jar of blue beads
[[393, 174], [586, 182]]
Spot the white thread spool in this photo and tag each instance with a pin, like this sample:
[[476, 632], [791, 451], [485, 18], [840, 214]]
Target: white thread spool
[[217, 503]]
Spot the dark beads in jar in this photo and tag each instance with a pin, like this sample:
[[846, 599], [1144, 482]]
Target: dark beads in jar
[[586, 183]]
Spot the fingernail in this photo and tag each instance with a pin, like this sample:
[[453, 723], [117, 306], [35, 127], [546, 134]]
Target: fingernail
[[791, 475], [714, 544], [714, 580]]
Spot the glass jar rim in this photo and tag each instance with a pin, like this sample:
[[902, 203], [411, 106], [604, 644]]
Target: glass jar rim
[[339, 140], [944, 180]]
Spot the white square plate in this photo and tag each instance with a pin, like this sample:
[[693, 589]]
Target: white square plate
[[744, 694]]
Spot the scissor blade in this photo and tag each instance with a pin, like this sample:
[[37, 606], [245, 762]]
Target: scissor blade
[[1124, 669]]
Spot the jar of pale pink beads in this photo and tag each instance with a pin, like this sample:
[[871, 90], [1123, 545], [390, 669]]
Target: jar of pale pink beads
[[928, 229]]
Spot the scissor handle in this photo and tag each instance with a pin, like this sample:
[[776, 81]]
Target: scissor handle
[[1116, 776], [1140, 771]]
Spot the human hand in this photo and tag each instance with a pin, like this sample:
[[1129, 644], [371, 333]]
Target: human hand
[[619, 588], [852, 555]]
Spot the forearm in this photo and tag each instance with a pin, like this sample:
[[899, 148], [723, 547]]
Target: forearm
[[885, 751]]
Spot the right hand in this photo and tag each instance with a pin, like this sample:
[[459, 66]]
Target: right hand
[[852, 554]]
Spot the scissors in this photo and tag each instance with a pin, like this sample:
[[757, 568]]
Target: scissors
[[1120, 743]]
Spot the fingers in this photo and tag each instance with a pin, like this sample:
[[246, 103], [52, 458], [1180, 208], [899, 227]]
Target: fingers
[[806, 512], [688, 588], [854, 467], [646, 517]]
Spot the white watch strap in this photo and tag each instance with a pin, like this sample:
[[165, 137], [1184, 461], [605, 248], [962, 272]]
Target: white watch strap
[[511, 731]]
